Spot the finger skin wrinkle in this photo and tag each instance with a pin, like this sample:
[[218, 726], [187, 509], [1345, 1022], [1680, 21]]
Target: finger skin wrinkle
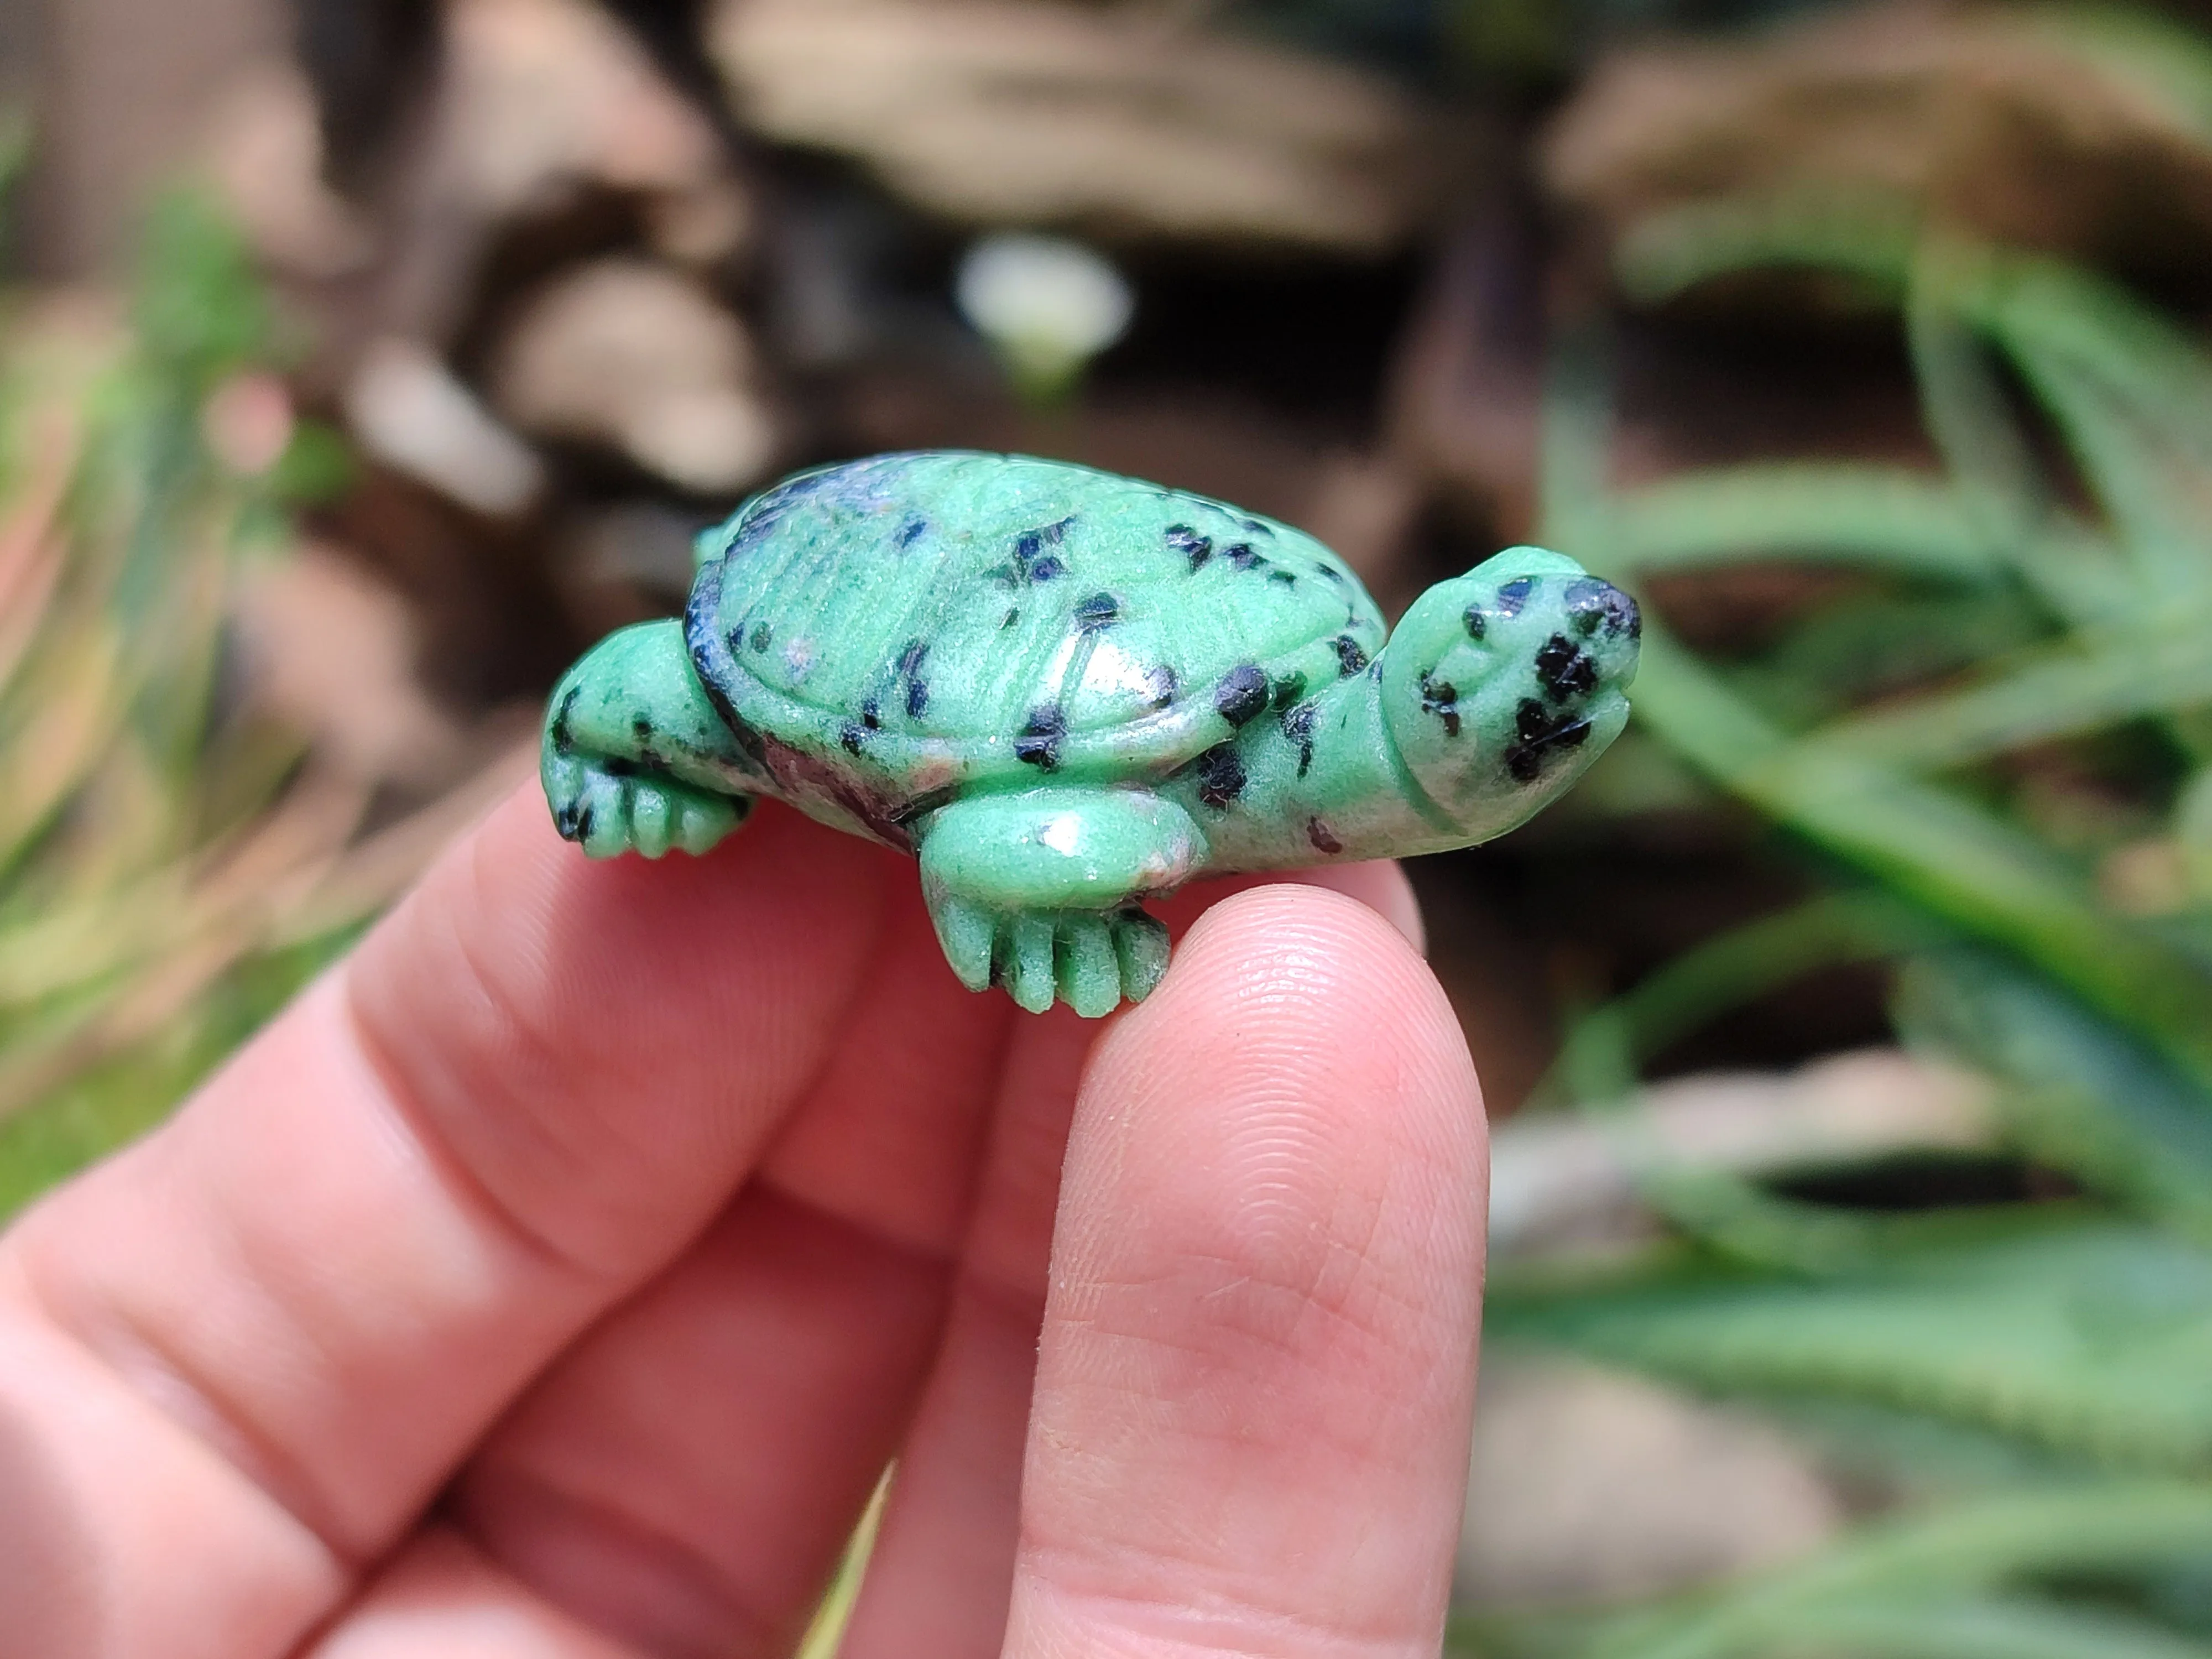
[[121, 1535], [607, 1538], [253, 1339], [463, 1185], [893, 1246], [440, 1599], [1064, 1622], [746, 1403], [607, 1047], [891, 1133], [1253, 1360], [141, 1359], [1339, 1314], [1018, 1300], [533, 1064]]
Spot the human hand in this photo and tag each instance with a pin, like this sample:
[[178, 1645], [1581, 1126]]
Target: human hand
[[555, 1279]]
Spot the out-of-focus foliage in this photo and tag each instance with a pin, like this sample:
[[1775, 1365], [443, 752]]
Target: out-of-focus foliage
[[1490, 40], [172, 863], [2081, 130], [2007, 800]]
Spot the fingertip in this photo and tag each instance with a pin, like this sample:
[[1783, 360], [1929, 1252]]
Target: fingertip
[[1257, 1368], [1298, 1062], [1378, 883], [1335, 964]]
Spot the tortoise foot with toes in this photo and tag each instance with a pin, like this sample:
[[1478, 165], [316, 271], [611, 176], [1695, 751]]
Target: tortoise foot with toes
[[1067, 692]]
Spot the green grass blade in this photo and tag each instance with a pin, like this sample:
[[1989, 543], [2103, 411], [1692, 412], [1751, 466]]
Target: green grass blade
[[1966, 865], [2132, 393], [2064, 691], [1574, 483], [1963, 403], [2015, 1628], [1604, 1050], [1972, 1546], [1867, 236], [2091, 1342], [2086, 1094], [1882, 517]]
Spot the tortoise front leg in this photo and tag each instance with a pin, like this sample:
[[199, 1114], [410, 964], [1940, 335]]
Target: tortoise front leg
[[1039, 890], [634, 757]]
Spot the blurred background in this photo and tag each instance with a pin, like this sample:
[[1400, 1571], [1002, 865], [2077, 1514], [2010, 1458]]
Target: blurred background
[[1849, 1030]]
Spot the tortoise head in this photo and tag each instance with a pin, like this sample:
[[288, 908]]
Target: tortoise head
[[1500, 686]]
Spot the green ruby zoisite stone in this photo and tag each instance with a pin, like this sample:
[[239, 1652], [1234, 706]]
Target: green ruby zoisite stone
[[1067, 692]]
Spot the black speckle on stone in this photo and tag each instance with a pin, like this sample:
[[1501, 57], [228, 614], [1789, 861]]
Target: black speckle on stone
[[1441, 698], [1220, 776], [641, 727], [1242, 555], [1009, 619], [1160, 686], [1514, 595], [1540, 731], [1030, 543], [908, 669], [761, 635], [1318, 834], [1329, 572], [563, 740], [1259, 527], [1350, 657], [573, 821], [1299, 728], [850, 738], [1593, 604], [1188, 542], [1565, 669], [1477, 623], [1032, 562], [1039, 742], [872, 715], [914, 529], [1097, 611], [1242, 696], [1288, 690], [615, 766], [1287, 578]]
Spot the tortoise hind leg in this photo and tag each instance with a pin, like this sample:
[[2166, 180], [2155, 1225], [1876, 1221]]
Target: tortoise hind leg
[[634, 757], [1038, 890]]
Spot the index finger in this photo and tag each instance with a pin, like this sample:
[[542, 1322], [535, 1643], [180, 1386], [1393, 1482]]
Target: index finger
[[534, 1083]]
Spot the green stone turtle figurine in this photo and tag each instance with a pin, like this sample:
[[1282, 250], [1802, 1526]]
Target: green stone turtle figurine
[[1068, 692]]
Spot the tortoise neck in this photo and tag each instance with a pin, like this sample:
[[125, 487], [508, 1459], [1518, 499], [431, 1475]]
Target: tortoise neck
[[1394, 816], [1329, 786]]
